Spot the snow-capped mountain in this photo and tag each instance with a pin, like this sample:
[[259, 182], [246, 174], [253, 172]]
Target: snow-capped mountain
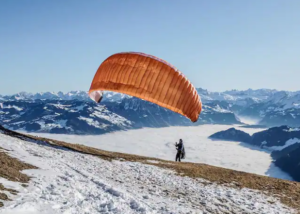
[[72, 95], [85, 117], [54, 116], [282, 108], [233, 96], [259, 94], [269, 107], [285, 100], [237, 97], [276, 117], [242, 98]]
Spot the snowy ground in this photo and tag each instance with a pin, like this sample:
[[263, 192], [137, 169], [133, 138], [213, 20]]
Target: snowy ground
[[159, 143], [69, 182]]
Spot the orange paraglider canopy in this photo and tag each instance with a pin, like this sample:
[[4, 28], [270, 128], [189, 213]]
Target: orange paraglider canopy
[[147, 77]]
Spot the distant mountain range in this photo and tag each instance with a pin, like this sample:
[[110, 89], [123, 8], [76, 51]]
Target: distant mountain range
[[283, 142], [85, 117], [241, 98], [269, 107], [72, 95]]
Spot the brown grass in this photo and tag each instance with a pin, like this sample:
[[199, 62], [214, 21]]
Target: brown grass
[[10, 170], [287, 191], [4, 196], [11, 167]]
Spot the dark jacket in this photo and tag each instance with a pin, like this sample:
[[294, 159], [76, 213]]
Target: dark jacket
[[180, 150], [179, 147]]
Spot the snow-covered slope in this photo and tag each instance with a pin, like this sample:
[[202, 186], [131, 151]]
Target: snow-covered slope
[[71, 182]]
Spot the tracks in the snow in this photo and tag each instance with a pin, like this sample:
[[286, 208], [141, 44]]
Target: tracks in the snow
[[287, 191]]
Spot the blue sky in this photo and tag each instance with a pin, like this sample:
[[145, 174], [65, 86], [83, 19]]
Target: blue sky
[[58, 45]]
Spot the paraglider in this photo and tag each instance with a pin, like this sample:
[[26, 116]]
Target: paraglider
[[147, 77], [180, 150]]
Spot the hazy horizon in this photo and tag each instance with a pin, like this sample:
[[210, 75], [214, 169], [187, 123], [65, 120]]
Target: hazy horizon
[[35, 92]]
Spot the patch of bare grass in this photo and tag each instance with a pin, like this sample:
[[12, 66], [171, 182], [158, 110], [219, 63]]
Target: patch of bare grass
[[10, 170]]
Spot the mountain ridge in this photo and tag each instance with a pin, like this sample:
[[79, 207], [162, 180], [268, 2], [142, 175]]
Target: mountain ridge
[[283, 142], [81, 117], [268, 106]]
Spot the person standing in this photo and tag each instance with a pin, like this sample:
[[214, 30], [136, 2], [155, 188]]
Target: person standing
[[180, 150]]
